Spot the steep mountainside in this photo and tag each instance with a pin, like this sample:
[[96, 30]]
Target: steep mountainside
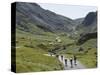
[[30, 17], [89, 24]]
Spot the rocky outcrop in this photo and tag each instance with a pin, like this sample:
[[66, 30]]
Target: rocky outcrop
[[86, 37]]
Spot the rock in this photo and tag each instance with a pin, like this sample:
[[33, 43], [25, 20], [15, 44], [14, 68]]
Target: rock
[[86, 37]]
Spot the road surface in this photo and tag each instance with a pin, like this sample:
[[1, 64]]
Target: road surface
[[68, 66]]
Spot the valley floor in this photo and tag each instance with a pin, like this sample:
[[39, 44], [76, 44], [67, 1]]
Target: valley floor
[[32, 53]]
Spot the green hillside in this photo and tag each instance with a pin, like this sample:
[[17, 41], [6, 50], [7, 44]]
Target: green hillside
[[30, 53]]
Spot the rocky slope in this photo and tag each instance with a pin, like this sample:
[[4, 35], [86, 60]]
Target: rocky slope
[[89, 24], [86, 37], [30, 17]]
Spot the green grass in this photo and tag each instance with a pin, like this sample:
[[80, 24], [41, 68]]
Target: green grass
[[30, 54], [29, 59]]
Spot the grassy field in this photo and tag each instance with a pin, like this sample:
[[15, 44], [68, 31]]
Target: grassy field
[[29, 59], [31, 48], [30, 52]]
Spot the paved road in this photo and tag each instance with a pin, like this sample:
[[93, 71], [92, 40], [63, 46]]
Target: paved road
[[68, 66]]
